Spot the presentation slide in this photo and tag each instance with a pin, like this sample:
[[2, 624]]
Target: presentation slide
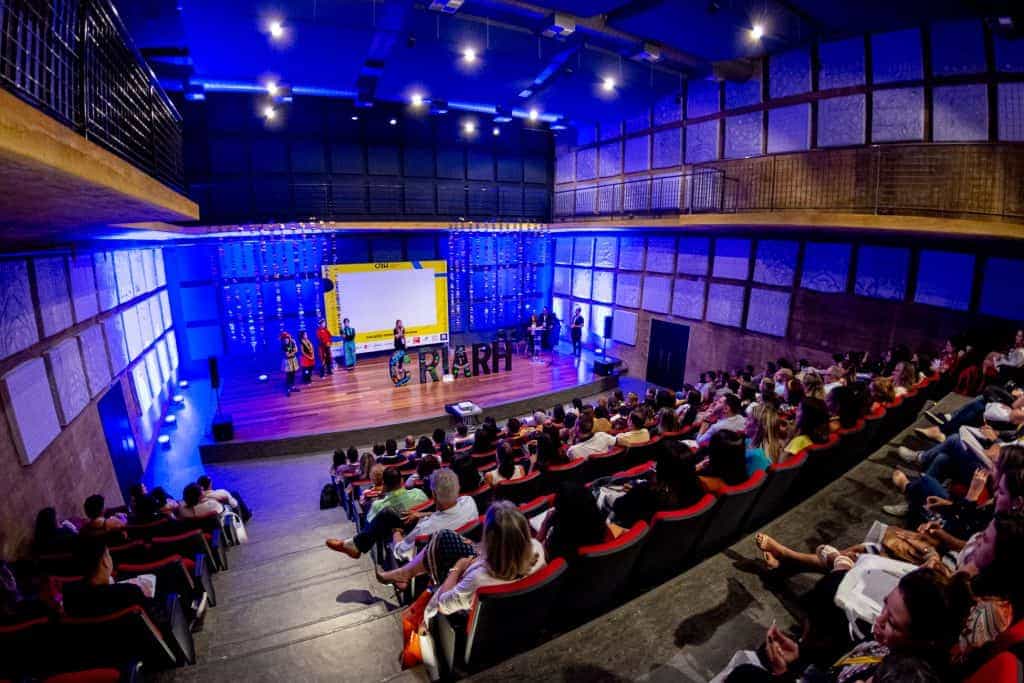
[[374, 295]]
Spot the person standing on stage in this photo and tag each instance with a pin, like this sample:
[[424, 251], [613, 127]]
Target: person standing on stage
[[307, 357], [290, 362], [547, 322], [577, 332], [348, 335], [399, 336], [530, 337], [323, 345]]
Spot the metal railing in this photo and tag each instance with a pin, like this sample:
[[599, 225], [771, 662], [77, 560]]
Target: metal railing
[[699, 191], [950, 180], [74, 60]]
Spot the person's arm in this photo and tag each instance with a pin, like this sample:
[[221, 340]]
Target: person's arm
[[455, 593]]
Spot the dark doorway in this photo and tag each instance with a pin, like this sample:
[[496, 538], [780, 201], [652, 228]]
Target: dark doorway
[[124, 453], [666, 354]]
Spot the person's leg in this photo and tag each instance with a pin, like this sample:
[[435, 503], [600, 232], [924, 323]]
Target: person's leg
[[917, 493], [926, 458], [969, 414], [289, 382], [774, 553], [379, 529], [955, 462]]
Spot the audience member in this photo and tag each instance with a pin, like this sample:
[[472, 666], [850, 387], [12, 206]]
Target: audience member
[[766, 434], [727, 414], [637, 433], [574, 521], [601, 421], [51, 536], [812, 425], [507, 466], [194, 506], [220, 495], [469, 476], [590, 441], [727, 461], [98, 524], [672, 485]]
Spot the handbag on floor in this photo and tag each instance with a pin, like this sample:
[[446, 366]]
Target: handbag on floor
[[865, 587], [234, 529], [412, 619]]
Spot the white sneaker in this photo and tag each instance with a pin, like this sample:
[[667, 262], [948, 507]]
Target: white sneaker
[[897, 510], [909, 456]]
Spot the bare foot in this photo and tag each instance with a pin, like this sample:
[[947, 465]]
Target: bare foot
[[394, 578], [768, 547], [899, 479]]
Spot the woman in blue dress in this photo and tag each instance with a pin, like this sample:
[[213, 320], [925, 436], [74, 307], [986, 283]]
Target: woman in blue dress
[[348, 335]]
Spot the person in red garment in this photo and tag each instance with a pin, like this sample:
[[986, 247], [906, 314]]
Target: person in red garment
[[307, 360], [323, 344]]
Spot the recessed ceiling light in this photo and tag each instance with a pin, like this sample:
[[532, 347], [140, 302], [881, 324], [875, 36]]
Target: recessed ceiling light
[[757, 32], [393, 122], [272, 87], [276, 29], [468, 55], [269, 112], [416, 99], [534, 114], [355, 118], [495, 131], [608, 84], [469, 127]]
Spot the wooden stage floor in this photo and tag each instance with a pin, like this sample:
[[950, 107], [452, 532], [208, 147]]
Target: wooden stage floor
[[362, 406]]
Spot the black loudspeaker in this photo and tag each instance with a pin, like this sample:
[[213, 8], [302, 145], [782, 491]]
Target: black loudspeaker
[[607, 327], [214, 372], [606, 365], [223, 427]]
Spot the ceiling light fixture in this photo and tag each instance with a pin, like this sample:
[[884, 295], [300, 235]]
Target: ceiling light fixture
[[393, 122], [276, 29], [272, 88], [495, 131], [608, 84], [468, 55], [534, 114], [416, 99], [757, 32], [469, 128], [355, 118], [269, 113]]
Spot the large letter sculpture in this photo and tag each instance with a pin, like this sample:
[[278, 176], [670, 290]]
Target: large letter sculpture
[[396, 368]]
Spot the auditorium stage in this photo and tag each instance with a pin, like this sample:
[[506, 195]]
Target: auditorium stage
[[360, 407]]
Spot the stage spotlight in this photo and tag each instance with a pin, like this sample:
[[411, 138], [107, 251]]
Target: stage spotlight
[[164, 440], [179, 399], [495, 131], [469, 128], [276, 29], [271, 88], [534, 114], [757, 32], [171, 420], [608, 84], [269, 113], [183, 384], [469, 55], [416, 100], [262, 378], [393, 122], [355, 118]]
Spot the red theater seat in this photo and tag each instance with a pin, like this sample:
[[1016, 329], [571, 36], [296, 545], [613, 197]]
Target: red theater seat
[[775, 497], [504, 620], [605, 464], [115, 639], [598, 575], [482, 496], [25, 646], [671, 541], [188, 544], [734, 503], [555, 475], [519, 490]]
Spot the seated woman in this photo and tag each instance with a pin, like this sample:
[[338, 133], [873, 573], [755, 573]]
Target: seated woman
[[794, 394], [812, 420], [549, 450], [469, 476], [142, 505], [376, 485], [668, 423], [574, 521], [601, 421], [97, 524], [904, 377], [508, 553], [637, 433], [687, 411], [847, 404], [814, 385], [766, 434], [339, 465], [366, 463], [485, 440], [513, 428], [672, 485], [727, 461], [557, 416], [921, 617], [881, 392], [194, 506], [507, 467], [427, 465], [51, 536]]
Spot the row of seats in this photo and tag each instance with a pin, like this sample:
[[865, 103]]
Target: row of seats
[[509, 618]]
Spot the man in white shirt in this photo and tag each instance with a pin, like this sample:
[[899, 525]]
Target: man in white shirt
[[591, 442], [729, 412], [452, 512], [220, 495]]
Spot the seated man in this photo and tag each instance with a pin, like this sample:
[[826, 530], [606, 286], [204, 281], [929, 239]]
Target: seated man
[[97, 593], [395, 498], [463, 438], [590, 442], [452, 512], [222, 496], [637, 433], [98, 525], [727, 413], [194, 506], [391, 455]]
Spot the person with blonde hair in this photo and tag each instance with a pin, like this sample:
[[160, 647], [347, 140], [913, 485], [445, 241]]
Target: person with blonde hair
[[766, 438]]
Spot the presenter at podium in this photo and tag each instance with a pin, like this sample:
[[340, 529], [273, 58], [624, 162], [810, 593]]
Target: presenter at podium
[[547, 321], [536, 331], [348, 338], [531, 338]]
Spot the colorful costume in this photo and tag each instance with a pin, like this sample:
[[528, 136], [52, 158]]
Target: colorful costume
[[323, 342], [348, 334], [307, 359], [290, 362]]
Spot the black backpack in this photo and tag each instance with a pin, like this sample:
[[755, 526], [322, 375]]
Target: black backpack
[[328, 497]]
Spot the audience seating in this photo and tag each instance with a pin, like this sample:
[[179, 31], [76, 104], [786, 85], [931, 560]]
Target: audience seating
[[574, 471], [1006, 663], [87, 641], [874, 424], [172, 576], [598, 575], [482, 496], [25, 645], [538, 505], [671, 541], [820, 466], [734, 503], [505, 619], [188, 544], [128, 673], [519, 490], [780, 481], [604, 464]]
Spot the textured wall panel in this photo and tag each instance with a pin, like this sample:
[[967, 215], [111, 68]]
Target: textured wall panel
[[606, 252], [702, 142], [627, 290], [693, 255], [140, 383], [1000, 291], [631, 253], [113, 330], [635, 124], [897, 56], [958, 47], [944, 279], [732, 258], [725, 304], [54, 301], [581, 283], [597, 315], [668, 109], [638, 154], [743, 136], [775, 263], [624, 327], [661, 254], [69, 382], [841, 121], [586, 163], [18, 329], [123, 271], [1011, 111], [688, 299], [882, 272], [701, 98], [789, 128], [769, 312], [742, 94], [106, 281], [83, 287], [789, 73], [667, 148], [1009, 55], [565, 163], [826, 266], [604, 286], [657, 293], [842, 63], [132, 332], [563, 249], [30, 410], [611, 159], [94, 353], [960, 113], [898, 115], [583, 251]]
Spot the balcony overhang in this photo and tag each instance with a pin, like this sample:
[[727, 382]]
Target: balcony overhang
[[59, 187]]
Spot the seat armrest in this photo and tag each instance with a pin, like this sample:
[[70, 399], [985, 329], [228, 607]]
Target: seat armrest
[[446, 637], [178, 630]]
